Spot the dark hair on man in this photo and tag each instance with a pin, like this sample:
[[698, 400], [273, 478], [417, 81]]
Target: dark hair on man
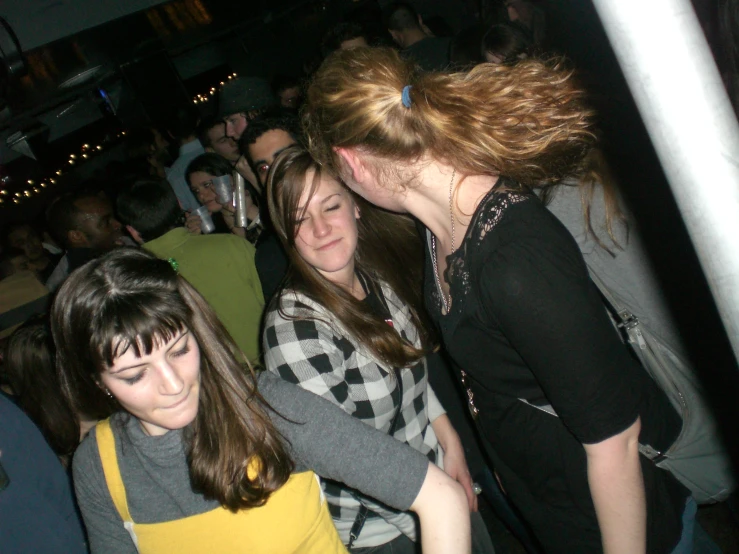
[[283, 82], [210, 163], [510, 41], [281, 119], [184, 123], [339, 33], [63, 215], [205, 126], [401, 16], [150, 206]]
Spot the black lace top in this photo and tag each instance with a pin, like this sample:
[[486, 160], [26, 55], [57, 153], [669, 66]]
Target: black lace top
[[525, 322]]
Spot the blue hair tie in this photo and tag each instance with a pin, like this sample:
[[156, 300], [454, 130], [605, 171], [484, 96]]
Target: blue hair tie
[[406, 96]]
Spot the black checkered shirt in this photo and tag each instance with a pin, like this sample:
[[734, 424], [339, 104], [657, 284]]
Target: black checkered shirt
[[304, 344]]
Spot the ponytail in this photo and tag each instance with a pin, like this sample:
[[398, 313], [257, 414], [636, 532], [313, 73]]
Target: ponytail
[[528, 122]]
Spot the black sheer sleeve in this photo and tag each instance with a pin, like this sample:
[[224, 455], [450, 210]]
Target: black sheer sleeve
[[535, 286]]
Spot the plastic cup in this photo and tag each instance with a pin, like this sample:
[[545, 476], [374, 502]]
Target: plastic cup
[[206, 222], [223, 188]]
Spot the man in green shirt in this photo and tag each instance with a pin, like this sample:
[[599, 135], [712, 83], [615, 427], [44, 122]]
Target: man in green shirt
[[220, 266]]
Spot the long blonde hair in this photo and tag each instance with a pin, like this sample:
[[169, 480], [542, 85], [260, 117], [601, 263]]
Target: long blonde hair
[[529, 122]]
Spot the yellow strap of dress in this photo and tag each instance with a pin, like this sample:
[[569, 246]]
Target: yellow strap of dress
[[106, 448]]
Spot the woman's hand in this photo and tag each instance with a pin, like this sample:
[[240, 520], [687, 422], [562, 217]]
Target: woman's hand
[[229, 216], [192, 223], [445, 520], [617, 488], [455, 464]]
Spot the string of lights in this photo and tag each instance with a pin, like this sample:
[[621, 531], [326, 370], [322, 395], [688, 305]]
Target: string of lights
[[212, 91], [86, 152]]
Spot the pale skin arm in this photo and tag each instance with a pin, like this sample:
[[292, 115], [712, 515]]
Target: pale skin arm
[[455, 464], [617, 488], [441, 506]]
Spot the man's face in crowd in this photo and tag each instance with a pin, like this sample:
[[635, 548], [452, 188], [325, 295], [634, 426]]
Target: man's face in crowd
[[100, 230], [235, 125], [222, 144], [25, 238], [265, 149]]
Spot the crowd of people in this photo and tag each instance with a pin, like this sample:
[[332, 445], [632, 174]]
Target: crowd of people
[[291, 373]]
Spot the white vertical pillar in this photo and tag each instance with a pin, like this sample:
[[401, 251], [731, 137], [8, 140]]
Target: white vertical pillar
[[672, 75]]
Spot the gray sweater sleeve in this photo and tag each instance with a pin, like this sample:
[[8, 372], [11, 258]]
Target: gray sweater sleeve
[[322, 438], [105, 531], [337, 446]]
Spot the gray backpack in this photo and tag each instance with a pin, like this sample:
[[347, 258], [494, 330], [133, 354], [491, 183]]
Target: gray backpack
[[697, 458]]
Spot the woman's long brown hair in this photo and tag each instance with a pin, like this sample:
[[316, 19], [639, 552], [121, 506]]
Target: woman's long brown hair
[[128, 299], [388, 249]]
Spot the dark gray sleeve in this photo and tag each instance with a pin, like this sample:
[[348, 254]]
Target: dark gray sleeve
[[336, 446], [105, 531]]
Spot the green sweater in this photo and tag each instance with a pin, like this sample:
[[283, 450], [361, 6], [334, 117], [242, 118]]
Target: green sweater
[[221, 268]]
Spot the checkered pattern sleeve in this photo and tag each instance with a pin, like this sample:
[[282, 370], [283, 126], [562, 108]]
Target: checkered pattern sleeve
[[303, 349], [305, 345]]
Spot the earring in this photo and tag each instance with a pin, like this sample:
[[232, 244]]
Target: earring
[[108, 393]]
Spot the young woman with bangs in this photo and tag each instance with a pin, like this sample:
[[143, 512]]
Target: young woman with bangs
[[344, 328], [199, 454], [560, 402]]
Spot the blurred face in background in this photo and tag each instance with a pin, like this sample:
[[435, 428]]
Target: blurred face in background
[[290, 97], [100, 230], [222, 144], [25, 238]]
